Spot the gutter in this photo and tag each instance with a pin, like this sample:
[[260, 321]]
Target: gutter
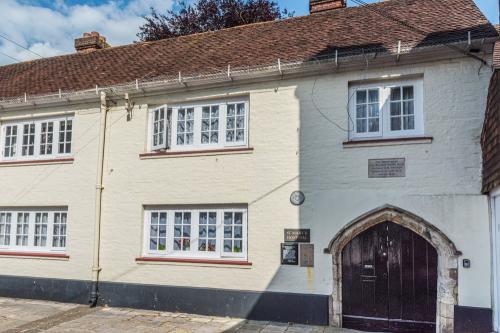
[[94, 294], [275, 71]]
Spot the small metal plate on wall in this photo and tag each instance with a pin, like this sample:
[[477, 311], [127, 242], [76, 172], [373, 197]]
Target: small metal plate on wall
[[306, 255], [387, 168], [289, 254]]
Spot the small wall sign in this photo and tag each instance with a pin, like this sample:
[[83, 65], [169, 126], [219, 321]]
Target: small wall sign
[[298, 235], [289, 253], [387, 168], [306, 255]]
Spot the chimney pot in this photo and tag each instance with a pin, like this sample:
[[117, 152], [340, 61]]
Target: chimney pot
[[90, 42], [317, 6]]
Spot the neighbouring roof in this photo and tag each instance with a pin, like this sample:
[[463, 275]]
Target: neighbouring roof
[[297, 39], [496, 55]]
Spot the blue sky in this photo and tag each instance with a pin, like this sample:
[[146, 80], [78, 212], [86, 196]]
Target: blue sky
[[489, 7], [49, 27]]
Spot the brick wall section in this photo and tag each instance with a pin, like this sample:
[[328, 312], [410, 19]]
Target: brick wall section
[[490, 139]]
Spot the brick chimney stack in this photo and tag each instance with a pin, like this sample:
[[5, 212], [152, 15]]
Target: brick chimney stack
[[317, 6], [90, 42]]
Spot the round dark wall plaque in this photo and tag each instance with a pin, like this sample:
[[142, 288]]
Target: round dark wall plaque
[[297, 198]]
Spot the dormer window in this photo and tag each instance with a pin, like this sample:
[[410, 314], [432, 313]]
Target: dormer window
[[386, 110]]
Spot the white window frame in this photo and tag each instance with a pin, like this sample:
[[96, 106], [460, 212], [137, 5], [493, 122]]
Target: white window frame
[[38, 131], [384, 89], [194, 253], [30, 247], [197, 129]]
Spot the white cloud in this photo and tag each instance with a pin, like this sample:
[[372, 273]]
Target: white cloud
[[50, 32]]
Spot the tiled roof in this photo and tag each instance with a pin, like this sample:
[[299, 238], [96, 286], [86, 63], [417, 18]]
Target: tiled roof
[[496, 55], [299, 38]]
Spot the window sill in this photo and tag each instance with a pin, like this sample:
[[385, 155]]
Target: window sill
[[207, 152], [388, 141], [68, 160], [215, 262], [37, 255]]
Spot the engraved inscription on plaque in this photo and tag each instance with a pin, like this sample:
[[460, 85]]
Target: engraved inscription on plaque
[[298, 235], [306, 255], [387, 168]]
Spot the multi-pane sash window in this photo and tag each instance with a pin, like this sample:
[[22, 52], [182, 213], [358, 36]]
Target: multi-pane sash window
[[402, 108], [199, 126], [37, 139], [65, 136], [46, 138], [235, 123], [210, 124], [33, 230], [393, 109], [10, 141], [159, 128], [59, 230], [233, 232], [182, 231], [28, 144], [185, 127], [5, 226], [367, 111], [211, 232]]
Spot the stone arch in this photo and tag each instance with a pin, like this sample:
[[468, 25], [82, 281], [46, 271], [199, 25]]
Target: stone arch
[[448, 254]]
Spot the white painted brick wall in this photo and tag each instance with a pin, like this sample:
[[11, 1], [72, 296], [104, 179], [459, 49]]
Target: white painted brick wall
[[295, 147]]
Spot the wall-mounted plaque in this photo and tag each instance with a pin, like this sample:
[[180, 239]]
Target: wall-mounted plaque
[[387, 168], [289, 254], [298, 235], [306, 255]]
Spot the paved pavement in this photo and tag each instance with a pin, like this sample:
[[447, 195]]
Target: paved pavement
[[32, 316]]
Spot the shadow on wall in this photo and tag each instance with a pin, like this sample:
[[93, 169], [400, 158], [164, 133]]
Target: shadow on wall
[[324, 126]]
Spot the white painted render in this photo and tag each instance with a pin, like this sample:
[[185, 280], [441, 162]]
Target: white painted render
[[495, 237], [295, 147]]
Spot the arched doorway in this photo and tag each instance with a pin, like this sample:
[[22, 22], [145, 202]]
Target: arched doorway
[[389, 281], [447, 261]]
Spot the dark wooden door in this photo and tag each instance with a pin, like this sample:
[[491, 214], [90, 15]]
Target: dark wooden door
[[389, 281]]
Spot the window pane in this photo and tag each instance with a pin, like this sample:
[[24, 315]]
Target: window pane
[[241, 109], [361, 111], [395, 124], [373, 125], [238, 246], [228, 245], [408, 108], [408, 92], [409, 122], [395, 108], [373, 96], [205, 125], [396, 94], [361, 96], [361, 126], [162, 244], [374, 110]]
